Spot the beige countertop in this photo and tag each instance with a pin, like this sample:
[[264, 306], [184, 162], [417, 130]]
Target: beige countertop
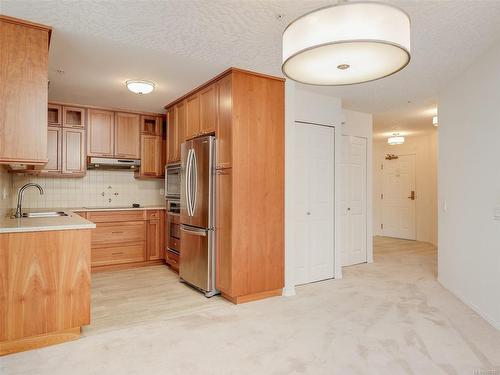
[[43, 224], [111, 208]]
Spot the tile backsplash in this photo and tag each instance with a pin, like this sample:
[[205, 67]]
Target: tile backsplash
[[97, 188], [5, 191]]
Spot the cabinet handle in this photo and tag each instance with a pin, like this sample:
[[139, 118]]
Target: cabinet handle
[[116, 253], [116, 232]]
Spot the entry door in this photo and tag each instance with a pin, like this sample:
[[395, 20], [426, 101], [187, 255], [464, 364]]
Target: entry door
[[398, 201], [314, 206], [353, 202]]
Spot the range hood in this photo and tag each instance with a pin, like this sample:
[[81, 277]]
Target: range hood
[[108, 163]]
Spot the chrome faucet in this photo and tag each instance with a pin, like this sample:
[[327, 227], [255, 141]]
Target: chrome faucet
[[20, 196]]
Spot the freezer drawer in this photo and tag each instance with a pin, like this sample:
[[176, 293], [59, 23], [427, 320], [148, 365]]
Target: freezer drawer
[[197, 258]]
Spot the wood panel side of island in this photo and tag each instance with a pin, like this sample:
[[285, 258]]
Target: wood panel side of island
[[45, 287]]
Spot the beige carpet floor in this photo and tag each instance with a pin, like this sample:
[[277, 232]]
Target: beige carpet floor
[[389, 317]]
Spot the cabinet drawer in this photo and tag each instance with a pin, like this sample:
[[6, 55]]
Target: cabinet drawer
[[118, 254], [109, 233], [174, 243], [172, 260], [153, 214], [109, 216]]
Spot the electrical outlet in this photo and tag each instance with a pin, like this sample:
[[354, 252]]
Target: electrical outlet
[[4, 193]]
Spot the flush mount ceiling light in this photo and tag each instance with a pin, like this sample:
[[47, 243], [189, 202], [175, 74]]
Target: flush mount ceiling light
[[396, 139], [140, 86], [347, 43], [435, 121]]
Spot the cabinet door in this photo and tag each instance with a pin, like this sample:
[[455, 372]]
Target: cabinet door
[[171, 135], [73, 151], [193, 116], [127, 135], [223, 231], [73, 117], [100, 133], [54, 115], [224, 123], [53, 149], [23, 93], [154, 239], [150, 155], [151, 125], [180, 109], [208, 109]]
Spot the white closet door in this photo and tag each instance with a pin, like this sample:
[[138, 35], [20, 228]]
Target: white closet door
[[314, 209], [353, 200], [398, 206]]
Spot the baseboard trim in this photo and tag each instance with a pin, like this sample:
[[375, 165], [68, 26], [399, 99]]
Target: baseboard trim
[[39, 341], [469, 304]]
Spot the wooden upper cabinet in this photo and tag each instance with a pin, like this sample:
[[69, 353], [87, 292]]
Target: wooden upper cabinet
[[180, 110], [54, 115], [224, 123], [171, 135], [150, 156], [54, 144], [151, 125], [208, 109], [100, 133], [73, 151], [127, 135], [193, 116], [23, 94], [73, 117]]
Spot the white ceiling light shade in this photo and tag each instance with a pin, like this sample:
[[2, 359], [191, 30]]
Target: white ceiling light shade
[[347, 43], [435, 121], [396, 139], [140, 86]]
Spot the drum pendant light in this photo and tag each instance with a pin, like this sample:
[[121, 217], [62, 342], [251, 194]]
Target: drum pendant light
[[347, 43]]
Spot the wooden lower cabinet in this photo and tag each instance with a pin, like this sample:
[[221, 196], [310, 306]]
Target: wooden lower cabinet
[[125, 239], [44, 288], [155, 236]]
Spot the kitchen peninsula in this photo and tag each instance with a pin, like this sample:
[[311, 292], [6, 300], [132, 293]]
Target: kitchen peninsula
[[44, 280]]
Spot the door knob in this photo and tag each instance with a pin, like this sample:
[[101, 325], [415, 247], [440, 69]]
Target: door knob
[[348, 208], [308, 213]]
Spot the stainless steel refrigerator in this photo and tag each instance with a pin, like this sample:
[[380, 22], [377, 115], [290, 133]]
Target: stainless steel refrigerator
[[197, 259]]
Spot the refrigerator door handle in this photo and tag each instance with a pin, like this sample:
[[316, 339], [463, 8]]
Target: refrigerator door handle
[[188, 182], [194, 172], [194, 231]]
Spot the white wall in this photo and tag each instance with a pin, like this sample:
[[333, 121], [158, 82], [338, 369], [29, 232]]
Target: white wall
[[425, 149], [360, 124], [469, 186], [306, 106], [87, 191]]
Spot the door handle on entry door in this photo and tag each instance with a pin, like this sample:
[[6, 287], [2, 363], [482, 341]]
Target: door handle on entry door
[[412, 195]]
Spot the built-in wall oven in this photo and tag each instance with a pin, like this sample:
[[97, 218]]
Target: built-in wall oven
[[173, 182]]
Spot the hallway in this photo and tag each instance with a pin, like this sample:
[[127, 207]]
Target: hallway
[[387, 317]]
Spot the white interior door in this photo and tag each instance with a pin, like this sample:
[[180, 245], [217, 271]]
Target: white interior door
[[314, 208], [398, 206], [353, 201]]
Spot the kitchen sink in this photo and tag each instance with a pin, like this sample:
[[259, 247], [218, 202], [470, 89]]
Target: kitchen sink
[[44, 214]]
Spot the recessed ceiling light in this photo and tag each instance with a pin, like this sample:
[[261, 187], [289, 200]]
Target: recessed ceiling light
[[140, 86], [373, 38], [396, 139]]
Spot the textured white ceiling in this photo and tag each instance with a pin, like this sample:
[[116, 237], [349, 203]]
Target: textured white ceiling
[[179, 44]]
